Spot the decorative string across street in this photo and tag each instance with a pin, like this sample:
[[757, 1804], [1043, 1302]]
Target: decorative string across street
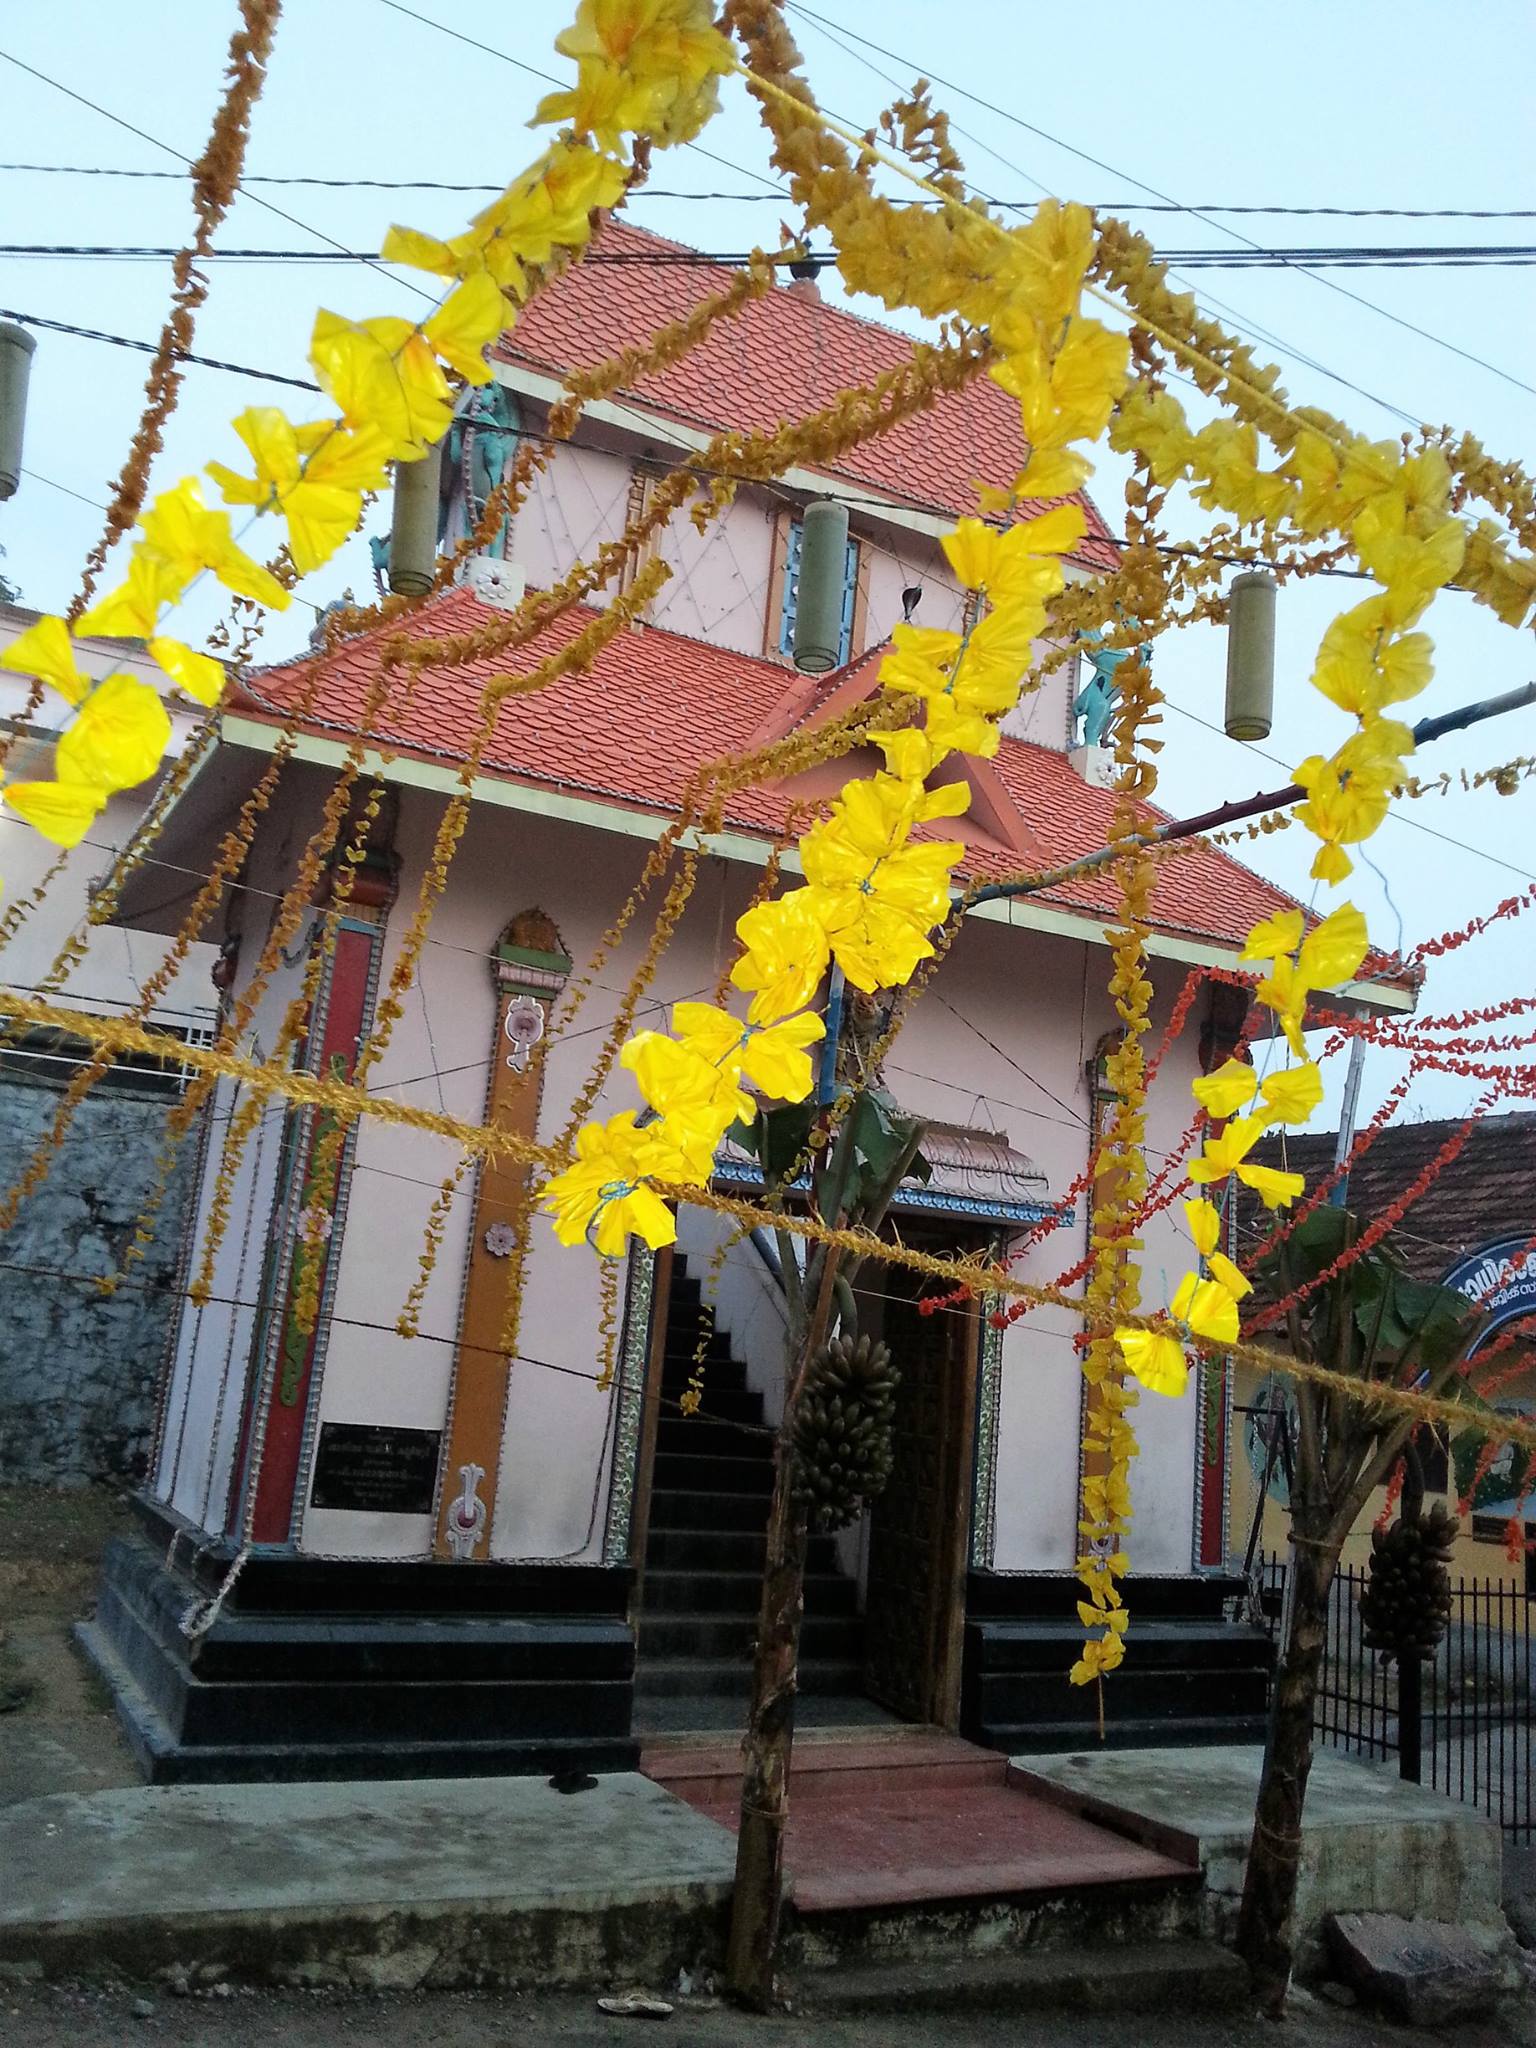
[[1302, 492]]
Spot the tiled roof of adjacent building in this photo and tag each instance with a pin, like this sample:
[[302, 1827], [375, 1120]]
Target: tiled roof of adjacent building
[[655, 706], [778, 359], [1487, 1191]]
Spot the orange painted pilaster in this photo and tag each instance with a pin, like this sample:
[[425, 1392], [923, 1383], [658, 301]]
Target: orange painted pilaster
[[530, 969]]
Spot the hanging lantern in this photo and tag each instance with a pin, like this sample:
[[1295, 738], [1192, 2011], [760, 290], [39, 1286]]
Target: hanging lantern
[[16, 347], [1250, 656], [413, 533], [822, 586]]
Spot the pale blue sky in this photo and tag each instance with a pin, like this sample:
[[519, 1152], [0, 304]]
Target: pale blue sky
[[1313, 105]]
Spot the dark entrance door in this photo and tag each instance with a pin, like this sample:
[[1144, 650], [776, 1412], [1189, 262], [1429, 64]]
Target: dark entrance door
[[920, 1527]]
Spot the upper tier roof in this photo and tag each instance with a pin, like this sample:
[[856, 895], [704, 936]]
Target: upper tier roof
[[779, 358]]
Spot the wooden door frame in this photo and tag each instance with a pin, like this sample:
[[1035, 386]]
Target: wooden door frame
[[945, 1687], [942, 1681]]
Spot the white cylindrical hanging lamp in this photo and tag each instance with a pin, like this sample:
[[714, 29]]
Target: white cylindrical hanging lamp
[[822, 586], [16, 347], [1250, 656], [413, 531]]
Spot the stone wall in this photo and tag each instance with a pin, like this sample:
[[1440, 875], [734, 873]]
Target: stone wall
[[78, 1370]]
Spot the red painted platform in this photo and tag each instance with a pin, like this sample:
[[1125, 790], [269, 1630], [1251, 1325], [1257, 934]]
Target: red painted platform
[[902, 1819]]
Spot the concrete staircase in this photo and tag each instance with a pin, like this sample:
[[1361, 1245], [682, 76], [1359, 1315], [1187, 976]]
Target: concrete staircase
[[705, 1549]]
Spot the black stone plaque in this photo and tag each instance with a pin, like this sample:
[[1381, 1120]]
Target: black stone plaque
[[374, 1468]]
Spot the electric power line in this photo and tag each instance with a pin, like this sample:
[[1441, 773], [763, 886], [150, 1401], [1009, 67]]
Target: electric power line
[[1166, 201], [662, 192], [154, 141], [548, 78], [1381, 256]]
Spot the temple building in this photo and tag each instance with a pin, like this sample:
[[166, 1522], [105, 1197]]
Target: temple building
[[386, 1543]]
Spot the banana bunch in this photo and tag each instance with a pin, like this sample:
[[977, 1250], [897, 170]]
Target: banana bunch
[[841, 1437], [1406, 1604]]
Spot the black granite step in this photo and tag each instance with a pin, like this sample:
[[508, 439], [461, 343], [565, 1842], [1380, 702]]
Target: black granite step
[[1047, 1646], [686, 1472], [673, 1677], [703, 1591], [1010, 1698], [165, 1759], [724, 1550], [1126, 1731], [737, 1512], [666, 1635], [720, 1404], [696, 1436]]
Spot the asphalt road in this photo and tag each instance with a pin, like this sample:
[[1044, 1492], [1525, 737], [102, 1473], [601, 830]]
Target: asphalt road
[[66, 2017]]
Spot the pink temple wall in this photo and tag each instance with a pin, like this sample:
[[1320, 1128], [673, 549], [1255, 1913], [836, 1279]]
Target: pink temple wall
[[722, 586], [1038, 996]]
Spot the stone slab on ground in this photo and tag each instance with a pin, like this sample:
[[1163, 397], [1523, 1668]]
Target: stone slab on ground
[[1371, 1844], [1430, 1973], [391, 1885]]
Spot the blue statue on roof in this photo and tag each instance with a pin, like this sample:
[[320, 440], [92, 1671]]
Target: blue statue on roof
[[1095, 701]]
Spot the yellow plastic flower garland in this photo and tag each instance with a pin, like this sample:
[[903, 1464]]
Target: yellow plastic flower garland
[[644, 66], [872, 896]]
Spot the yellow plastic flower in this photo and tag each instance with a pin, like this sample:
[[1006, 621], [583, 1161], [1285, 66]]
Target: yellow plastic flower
[[1292, 1094], [1038, 269], [132, 611], [1156, 1358], [1086, 377], [1154, 422], [314, 474], [643, 67], [61, 811], [1206, 1308], [1099, 1656], [1205, 1229], [876, 895], [684, 1087], [1226, 1090], [1363, 665], [1342, 806], [199, 675], [47, 652], [1332, 951], [772, 1056], [1411, 566], [1226, 1150], [117, 738], [1284, 992], [383, 374], [604, 1194], [981, 675], [1274, 935], [547, 207], [949, 730], [466, 324], [1274, 1188], [787, 950], [185, 534], [1020, 564]]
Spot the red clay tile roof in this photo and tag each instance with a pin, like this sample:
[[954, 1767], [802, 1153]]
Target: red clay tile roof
[[655, 705], [778, 359], [1487, 1192]]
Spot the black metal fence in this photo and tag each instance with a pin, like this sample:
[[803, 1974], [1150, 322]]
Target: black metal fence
[[1474, 1720]]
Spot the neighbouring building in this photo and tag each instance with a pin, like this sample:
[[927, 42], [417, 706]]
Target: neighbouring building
[[451, 1560], [79, 1370], [1472, 1229]]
